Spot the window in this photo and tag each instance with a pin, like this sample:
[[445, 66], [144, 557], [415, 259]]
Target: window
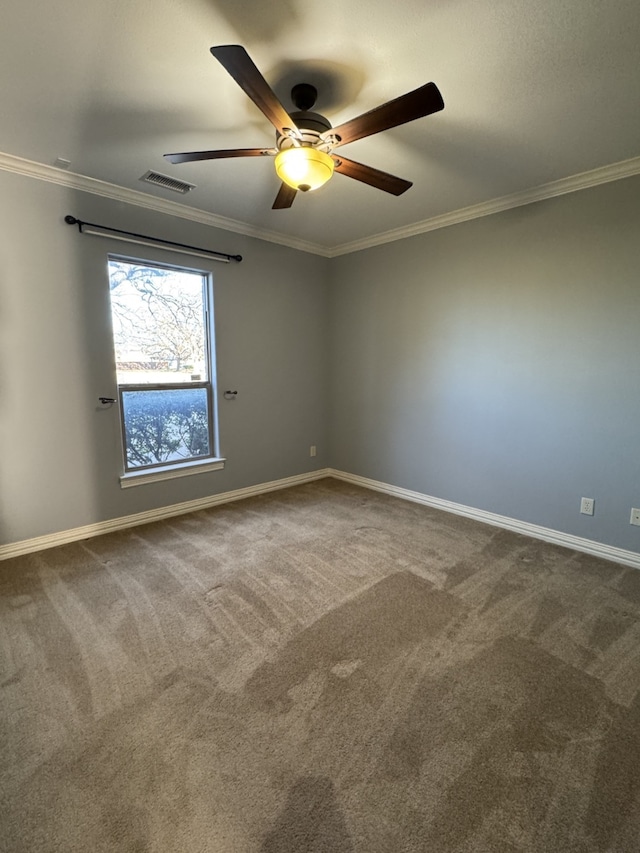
[[162, 339]]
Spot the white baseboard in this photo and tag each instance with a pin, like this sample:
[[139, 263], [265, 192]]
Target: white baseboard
[[576, 543], [39, 543], [556, 537]]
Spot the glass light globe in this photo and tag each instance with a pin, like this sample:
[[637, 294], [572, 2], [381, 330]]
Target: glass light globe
[[304, 168]]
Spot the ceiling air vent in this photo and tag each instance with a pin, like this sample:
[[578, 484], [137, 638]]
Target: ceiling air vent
[[168, 183]]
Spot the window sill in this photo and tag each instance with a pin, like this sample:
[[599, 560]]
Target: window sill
[[169, 472]]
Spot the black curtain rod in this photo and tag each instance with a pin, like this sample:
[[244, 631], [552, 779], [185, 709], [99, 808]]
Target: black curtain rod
[[133, 237]]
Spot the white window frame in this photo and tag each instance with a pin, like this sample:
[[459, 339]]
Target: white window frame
[[160, 471]]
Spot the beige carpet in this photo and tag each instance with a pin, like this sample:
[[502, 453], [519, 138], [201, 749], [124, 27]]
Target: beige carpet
[[319, 669]]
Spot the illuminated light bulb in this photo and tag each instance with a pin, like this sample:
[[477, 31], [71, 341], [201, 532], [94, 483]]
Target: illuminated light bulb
[[304, 168]]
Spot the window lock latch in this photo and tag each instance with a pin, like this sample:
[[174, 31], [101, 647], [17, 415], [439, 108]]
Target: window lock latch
[[106, 401]]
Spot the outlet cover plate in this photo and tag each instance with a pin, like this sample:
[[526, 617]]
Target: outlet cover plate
[[586, 506], [635, 516]]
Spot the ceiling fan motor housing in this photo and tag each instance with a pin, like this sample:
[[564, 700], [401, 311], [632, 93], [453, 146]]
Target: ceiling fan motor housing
[[307, 120], [309, 124], [310, 127]]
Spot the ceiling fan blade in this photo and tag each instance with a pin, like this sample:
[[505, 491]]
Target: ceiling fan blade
[[191, 156], [235, 59], [421, 102], [369, 175], [285, 197]]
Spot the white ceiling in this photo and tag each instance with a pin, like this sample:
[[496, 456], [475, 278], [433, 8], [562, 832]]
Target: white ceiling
[[534, 92]]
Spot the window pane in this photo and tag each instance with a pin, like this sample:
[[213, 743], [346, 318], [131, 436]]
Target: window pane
[[158, 324], [165, 425]]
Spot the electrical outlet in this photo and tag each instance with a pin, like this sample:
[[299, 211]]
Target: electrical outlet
[[635, 516], [586, 506], [312, 450]]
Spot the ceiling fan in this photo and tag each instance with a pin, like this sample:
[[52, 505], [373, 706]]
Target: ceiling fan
[[305, 141]]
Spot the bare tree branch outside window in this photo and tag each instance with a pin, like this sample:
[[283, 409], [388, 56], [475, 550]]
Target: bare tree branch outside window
[[160, 339]]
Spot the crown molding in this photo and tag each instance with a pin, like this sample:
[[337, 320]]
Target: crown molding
[[574, 183], [53, 175], [582, 181]]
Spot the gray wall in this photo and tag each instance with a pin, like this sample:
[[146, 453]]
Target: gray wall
[[61, 455], [496, 363]]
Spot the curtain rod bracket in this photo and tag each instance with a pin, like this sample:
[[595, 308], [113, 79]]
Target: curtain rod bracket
[[144, 240]]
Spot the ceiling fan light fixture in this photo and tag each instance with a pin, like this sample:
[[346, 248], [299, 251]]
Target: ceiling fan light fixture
[[304, 168], [305, 140]]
